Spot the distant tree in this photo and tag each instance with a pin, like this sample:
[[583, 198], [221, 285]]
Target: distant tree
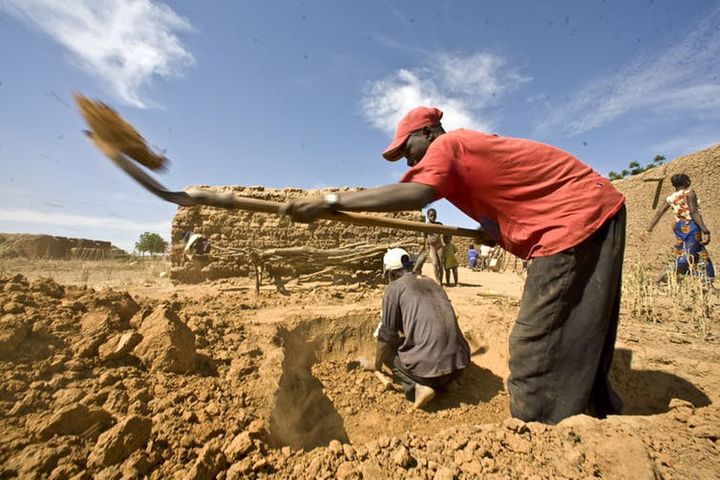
[[636, 167], [151, 243]]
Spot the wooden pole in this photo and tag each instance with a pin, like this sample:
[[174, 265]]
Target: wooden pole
[[198, 196]]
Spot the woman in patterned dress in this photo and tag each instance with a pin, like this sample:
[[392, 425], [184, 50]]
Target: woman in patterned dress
[[690, 231]]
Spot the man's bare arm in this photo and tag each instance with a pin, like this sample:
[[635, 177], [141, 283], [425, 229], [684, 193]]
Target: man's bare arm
[[388, 198], [383, 355]]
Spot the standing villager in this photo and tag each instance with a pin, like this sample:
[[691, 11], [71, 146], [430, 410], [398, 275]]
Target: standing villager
[[538, 202], [434, 244], [450, 261], [691, 233]]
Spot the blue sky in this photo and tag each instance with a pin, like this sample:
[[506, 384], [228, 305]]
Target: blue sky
[[307, 93]]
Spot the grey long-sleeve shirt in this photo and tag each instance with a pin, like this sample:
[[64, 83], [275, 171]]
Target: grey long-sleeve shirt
[[419, 308]]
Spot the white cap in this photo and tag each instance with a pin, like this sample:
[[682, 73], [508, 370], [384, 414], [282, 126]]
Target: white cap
[[393, 259]]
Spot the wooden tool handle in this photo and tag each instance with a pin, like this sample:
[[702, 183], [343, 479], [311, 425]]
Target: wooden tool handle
[[198, 196], [119, 141], [228, 200]]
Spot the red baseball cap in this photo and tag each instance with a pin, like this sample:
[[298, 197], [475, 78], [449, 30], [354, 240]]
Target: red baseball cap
[[415, 119]]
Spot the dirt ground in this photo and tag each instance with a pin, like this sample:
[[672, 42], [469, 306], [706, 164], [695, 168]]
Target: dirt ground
[[211, 381], [130, 273]]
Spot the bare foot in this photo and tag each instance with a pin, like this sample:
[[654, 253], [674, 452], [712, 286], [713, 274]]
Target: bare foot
[[423, 395]]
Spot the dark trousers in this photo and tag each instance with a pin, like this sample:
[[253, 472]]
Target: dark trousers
[[562, 344], [408, 380]]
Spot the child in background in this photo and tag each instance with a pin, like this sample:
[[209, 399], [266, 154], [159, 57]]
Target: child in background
[[449, 261], [472, 257], [435, 247]]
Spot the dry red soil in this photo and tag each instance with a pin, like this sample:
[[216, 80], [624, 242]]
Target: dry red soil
[[212, 381]]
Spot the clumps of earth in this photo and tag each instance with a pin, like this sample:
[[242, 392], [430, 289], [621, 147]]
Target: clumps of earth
[[104, 385]]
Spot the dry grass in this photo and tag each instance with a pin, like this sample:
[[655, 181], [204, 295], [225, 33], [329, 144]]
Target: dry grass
[[115, 273], [685, 300], [641, 295]]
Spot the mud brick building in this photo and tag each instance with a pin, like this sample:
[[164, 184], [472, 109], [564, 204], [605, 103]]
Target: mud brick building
[[261, 231], [37, 246]]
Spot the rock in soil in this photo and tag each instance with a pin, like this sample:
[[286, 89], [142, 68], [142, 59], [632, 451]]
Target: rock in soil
[[167, 345], [121, 441]]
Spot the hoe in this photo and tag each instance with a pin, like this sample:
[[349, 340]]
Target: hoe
[[120, 142]]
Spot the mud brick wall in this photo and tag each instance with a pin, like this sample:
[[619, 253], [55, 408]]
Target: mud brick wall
[[243, 229], [30, 246]]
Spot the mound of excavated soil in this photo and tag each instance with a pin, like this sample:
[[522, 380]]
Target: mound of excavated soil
[[87, 384], [99, 384], [702, 167]]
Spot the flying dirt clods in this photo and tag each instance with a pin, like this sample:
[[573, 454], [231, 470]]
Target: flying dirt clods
[[113, 135]]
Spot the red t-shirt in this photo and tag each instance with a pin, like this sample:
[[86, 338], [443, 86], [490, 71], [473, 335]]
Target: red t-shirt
[[534, 199]]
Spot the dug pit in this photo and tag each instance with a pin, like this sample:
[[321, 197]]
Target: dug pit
[[323, 396]]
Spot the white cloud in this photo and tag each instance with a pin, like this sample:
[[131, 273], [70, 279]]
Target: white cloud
[[125, 43], [29, 217], [538, 97], [463, 87], [683, 77]]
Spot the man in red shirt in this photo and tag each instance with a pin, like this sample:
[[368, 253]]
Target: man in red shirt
[[541, 204]]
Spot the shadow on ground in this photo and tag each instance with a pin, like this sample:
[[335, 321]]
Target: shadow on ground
[[648, 392], [303, 417], [476, 385]]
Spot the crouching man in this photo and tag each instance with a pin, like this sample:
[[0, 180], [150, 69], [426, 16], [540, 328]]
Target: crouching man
[[418, 337]]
